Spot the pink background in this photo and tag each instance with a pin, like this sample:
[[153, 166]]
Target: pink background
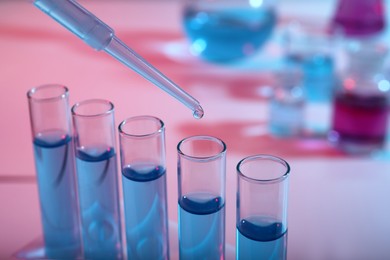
[[339, 205]]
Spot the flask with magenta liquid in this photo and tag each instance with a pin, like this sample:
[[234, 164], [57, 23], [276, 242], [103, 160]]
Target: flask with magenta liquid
[[228, 30], [361, 101], [54, 162], [143, 164], [359, 17], [97, 175], [360, 106]]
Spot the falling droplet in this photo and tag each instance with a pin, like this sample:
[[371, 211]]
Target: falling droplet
[[198, 112]]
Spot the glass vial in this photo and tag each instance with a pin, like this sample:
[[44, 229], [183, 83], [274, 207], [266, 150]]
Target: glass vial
[[360, 105], [143, 164], [97, 177], [286, 105], [54, 162], [262, 197], [201, 180]]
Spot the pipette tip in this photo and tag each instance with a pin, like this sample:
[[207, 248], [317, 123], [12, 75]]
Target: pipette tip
[[198, 112]]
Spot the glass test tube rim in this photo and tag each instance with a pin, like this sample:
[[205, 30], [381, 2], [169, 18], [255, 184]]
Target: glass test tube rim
[[276, 159], [202, 158], [105, 112], [31, 94], [133, 118]]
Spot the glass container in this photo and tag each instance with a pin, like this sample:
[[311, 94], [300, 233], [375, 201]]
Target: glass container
[[97, 176], [262, 198], [228, 30], [201, 180], [54, 161], [143, 164], [360, 105]]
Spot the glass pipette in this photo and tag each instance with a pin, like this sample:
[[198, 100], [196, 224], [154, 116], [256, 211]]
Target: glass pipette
[[100, 36]]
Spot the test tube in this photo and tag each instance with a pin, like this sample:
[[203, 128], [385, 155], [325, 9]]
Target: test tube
[[262, 194], [96, 164], [54, 162], [201, 182], [142, 143]]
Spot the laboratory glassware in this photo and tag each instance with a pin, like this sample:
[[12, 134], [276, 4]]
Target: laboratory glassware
[[143, 164], [361, 99], [286, 103], [359, 17], [201, 197], [262, 197], [54, 161], [228, 30], [97, 176]]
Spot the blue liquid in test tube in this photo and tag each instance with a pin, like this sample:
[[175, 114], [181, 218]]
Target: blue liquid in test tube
[[53, 152], [201, 197], [262, 195], [144, 188], [142, 144], [261, 238], [99, 202], [201, 227]]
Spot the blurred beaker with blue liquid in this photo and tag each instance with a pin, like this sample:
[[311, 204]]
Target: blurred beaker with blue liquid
[[54, 162], [228, 30]]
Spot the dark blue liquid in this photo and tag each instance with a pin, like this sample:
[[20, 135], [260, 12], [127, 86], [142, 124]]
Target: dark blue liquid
[[145, 199], [201, 227], [261, 238], [99, 203], [230, 33], [54, 161]]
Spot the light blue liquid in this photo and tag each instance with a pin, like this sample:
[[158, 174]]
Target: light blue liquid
[[286, 117], [145, 199], [319, 79], [227, 34], [99, 203], [201, 227], [54, 161], [261, 238]]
